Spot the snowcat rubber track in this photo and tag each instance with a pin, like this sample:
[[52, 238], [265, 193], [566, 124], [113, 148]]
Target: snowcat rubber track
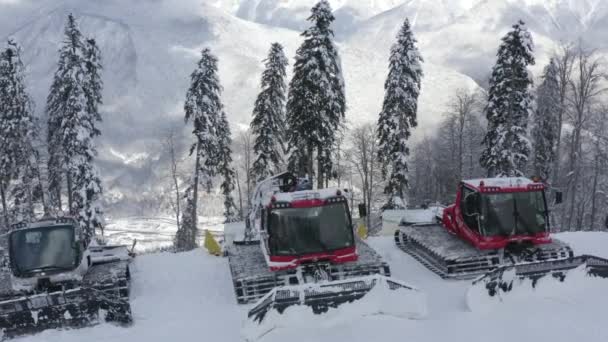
[[252, 279], [451, 258], [319, 297], [494, 281], [103, 295]]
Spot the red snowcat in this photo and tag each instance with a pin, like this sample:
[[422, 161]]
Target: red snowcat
[[299, 248], [496, 224]]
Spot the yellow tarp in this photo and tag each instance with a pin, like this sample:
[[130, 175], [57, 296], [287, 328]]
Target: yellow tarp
[[211, 245], [362, 231]]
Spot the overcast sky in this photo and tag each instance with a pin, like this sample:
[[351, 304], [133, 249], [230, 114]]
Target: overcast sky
[[14, 13]]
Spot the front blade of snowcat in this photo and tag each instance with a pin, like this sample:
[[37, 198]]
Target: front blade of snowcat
[[62, 309], [502, 281], [321, 297]]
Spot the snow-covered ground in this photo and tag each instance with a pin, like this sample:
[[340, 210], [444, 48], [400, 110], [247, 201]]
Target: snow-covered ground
[[152, 233], [188, 297]]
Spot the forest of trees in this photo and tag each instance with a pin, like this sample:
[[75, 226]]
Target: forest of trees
[[552, 127], [58, 174]]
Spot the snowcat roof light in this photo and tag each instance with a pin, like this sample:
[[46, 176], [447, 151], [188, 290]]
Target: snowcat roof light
[[536, 186]]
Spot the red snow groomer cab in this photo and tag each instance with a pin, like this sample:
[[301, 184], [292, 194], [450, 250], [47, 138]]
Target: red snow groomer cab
[[299, 248], [299, 228], [495, 224], [495, 213]]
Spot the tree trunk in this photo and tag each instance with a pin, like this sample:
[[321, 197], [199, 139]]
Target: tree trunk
[[574, 169], [238, 186], [4, 206], [310, 163], [195, 187], [320, 173], [58, 196], [593, 196], [178, 210], [70, 195]]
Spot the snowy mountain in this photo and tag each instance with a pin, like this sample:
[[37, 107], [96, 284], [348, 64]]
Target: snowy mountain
[[292, 14], [149, 48], [464, 35]]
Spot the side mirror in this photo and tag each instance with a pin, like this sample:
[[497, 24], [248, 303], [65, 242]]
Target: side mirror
[[471, 204], [559, 197]]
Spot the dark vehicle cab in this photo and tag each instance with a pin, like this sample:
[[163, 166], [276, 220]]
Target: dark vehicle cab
[[47, 252]]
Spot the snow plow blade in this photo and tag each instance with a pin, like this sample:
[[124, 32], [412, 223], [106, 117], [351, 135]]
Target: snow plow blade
[[63, 309], [321, 297], [501, 283]]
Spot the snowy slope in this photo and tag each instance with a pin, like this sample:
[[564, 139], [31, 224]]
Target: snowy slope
[[188, 297]]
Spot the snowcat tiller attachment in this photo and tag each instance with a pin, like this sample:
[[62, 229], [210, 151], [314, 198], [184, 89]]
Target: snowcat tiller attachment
[[504, 280], [71, 308], [321, 297]]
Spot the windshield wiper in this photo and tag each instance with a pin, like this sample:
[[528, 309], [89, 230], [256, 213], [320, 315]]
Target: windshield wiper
[[46, 268]]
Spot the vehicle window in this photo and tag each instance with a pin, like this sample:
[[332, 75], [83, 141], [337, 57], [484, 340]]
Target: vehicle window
[[471, 221], [521, 213], [295, 231]]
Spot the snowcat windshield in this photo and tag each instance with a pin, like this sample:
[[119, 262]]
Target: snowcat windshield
[[518, 213], [43, 249], [296, 231]]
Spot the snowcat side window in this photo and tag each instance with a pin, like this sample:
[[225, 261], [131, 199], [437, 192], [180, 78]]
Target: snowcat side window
[[469, 195]]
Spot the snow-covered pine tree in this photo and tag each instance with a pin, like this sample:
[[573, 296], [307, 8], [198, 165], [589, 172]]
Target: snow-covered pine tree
[[231, 212], [65, 106], [73, 112], [87, 181], [268, 124], [185, 237], [87, 190], [509, 104], [18, 157], [203, 108], [544, 131], [316, 102], [93, 84], [399, 113]]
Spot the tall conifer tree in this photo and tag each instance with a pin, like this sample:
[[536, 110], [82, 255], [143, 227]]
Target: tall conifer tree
[[316, 102], [73, 114], [546, 121], [18, 157], [268, 124], [231, 213], [202, 108], [399, 113], [509, 104]]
